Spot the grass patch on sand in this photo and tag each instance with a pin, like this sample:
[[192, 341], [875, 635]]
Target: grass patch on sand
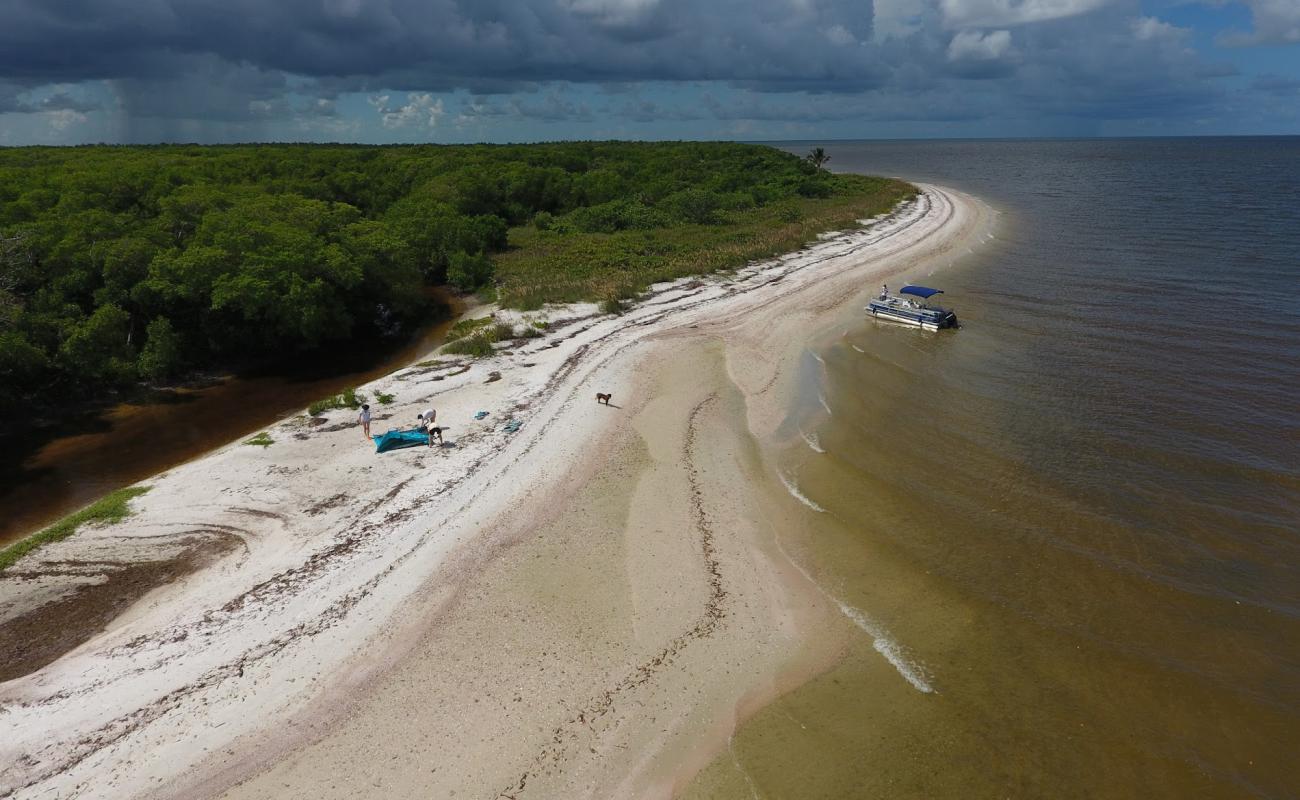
[[112, 507], [479, 340], [478, 345], [348, 398], [563, 265], [465, 327], [384, 399], [262, 439]]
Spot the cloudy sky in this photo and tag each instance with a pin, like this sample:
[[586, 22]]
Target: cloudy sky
[[521, 70]]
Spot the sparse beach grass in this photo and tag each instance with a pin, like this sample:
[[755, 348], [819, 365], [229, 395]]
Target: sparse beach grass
[[559, 266], [262, 439], [479, 336], [112, 507], [348, 398]]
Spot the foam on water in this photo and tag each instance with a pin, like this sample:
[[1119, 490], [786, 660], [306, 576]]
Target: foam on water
[[821, 398], [859, 349], [881, 641], [749, 782], [798, 495], [813, 441], [820, 360], [893, 652]]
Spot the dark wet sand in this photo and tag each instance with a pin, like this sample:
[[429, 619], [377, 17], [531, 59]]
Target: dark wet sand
[[40, 636]]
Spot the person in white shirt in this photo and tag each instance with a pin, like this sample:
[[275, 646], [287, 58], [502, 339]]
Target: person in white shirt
[[364, 419], [427, 420]]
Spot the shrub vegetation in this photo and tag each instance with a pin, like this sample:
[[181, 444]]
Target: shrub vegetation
[[122, 264], [348, 398]]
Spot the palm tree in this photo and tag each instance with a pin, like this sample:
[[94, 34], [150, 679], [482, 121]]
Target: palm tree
[[817, 157]]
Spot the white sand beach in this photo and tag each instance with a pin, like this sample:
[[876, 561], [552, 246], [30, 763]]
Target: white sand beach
[[585, 607]]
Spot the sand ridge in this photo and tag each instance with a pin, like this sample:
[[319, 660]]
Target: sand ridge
[[210, 678]]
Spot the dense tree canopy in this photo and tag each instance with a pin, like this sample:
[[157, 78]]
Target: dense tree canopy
[[119, 264]]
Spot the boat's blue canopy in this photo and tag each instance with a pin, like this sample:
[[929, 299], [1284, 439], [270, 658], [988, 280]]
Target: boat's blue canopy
[[920, 291]]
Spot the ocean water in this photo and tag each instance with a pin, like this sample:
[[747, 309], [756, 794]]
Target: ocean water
[[1066, 537]]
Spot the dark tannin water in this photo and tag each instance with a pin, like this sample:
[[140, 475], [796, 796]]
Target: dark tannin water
[[1067, 536], [49, 473]]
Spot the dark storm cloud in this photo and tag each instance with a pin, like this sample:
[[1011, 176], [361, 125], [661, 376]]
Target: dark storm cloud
[[176, 66], [420, 43]]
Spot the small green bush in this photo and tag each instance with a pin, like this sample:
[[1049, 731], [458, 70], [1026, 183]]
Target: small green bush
[[618, 215], [695, 206], [262, 439], [469, 271], [465, 327], [112, 507], [789, 213], [384, 399], [613, 305], [478, 346], [161, 357], [348, 398]]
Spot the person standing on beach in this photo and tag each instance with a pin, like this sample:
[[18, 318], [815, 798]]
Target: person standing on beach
[[364, 419]]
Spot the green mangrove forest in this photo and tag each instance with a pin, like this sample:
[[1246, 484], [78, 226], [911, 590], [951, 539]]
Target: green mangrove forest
[[122, 266]]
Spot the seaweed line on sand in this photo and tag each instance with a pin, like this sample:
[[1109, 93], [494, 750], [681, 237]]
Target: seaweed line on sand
[[357, 530], [713, 613]]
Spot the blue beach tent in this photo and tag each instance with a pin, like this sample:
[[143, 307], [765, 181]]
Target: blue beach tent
[[395, 440]]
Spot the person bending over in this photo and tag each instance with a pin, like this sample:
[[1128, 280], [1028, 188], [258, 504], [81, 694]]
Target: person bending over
[[427, 420]]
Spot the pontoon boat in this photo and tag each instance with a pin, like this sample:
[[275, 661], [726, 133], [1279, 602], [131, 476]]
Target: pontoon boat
[[908, 311]]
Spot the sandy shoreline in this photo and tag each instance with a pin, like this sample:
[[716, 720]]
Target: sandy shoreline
[[581, 608]]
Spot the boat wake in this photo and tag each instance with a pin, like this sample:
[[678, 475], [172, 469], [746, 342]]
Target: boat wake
[[798, 495]]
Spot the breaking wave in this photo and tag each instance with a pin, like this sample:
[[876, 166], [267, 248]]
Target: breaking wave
[[798, 495], [893, 652]]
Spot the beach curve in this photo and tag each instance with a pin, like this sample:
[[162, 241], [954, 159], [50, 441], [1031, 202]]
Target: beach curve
[[187, 692]]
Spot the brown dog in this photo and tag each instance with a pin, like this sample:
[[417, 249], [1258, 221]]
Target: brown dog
[[603, 398]]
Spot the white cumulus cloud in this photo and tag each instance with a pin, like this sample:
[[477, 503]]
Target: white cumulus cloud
[[1148, 29], [1275, 22], [1000, 13], [421, 108]]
